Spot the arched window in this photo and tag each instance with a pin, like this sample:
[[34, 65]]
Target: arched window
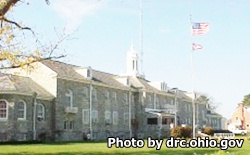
[[69, 98], [3, 110], [21, 114], [40, 112]]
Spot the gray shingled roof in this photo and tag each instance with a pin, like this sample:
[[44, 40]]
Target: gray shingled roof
[[68, 71], [18, 84]]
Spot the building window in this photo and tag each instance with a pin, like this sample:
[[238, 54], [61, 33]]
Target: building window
[[65, 125], [156, 102], [150, 101], [69, 98], [172, 102], [126, 118], [152, 121], [126, 98], [85, 116], [108, 117], [95, 116], [115, 118], [94, 93], [164, 120], [40, 112], [3, 110], [71, 125], [88, 73], [133, 99], [114, 96], [21, 113], [107, 94], [85, 91]]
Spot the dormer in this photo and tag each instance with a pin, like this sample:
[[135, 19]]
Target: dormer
[[84, 71], [123, 80], [159, 85]]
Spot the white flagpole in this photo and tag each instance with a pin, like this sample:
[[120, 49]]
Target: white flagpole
[[192, 72]]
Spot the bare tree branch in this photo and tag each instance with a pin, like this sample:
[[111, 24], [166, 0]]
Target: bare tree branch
[[16, 24]]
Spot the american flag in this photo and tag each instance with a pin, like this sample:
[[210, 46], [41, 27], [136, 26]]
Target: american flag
[[200, 28], [196, 46]]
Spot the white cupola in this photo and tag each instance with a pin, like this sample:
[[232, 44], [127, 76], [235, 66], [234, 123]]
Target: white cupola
[[132, 62]]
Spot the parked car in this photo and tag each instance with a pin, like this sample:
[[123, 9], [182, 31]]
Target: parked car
[[237, 130]]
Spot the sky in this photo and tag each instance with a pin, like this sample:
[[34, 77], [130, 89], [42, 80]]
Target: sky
[[103, 30]]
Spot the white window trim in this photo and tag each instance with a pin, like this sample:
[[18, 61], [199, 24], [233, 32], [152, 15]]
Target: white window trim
[[125, 117], [43, 111], [108, 119], [69, 94], [94, 93], [24, 110], [115, 117], [85, 121], [71, 125], [7, 110], [95, 119]]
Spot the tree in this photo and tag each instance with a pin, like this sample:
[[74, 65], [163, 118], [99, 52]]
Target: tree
[[246, 100], [207, 100], [12, 52], [5, 6]]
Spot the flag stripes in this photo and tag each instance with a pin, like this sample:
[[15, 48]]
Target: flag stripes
[[200, 28]]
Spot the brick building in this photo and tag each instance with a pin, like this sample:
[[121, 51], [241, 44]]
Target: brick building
[[241, 117]]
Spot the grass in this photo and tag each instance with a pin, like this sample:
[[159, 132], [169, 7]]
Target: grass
[[91, 148]]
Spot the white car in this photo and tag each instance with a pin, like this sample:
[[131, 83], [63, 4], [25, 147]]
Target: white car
[[238, 131]]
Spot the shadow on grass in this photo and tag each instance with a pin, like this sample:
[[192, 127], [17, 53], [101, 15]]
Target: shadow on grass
[[151, 152]]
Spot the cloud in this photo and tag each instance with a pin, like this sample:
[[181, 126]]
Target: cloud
[[74, 11]]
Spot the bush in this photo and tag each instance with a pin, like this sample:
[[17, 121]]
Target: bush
[[176, 132], [208, 130], [186, 132], [181, 132]]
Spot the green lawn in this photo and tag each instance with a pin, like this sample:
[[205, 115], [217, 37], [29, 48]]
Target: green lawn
[[101, 148]]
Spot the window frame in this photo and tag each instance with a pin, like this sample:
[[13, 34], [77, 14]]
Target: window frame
[[6, 109], [85, 120], [125, 98], [71, 125], [42, 116], [108, 117], [115, 117], [114, 95], [126, 118], [24, 110], [69, 94], [107, 94], [95, 118]]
